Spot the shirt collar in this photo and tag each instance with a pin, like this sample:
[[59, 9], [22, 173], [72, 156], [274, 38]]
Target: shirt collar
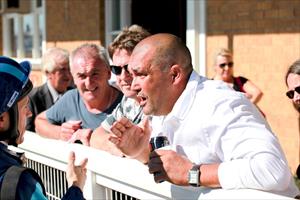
[[186, 99], [19, 156], [55, 95], [163, 125]]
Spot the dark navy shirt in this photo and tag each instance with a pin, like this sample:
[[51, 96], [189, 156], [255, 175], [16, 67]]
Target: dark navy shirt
[[28, 187]]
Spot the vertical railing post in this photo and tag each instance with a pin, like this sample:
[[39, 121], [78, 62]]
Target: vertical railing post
[[92, 190]]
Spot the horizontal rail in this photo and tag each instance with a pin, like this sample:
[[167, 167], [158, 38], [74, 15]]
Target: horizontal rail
[[111, 177]]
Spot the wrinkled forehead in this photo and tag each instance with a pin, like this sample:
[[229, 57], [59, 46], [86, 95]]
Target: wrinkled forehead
[[141, 58], [87, 64]]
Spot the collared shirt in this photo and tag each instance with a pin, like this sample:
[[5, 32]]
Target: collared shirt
[[211, 123], [128, 108], [55, 95]]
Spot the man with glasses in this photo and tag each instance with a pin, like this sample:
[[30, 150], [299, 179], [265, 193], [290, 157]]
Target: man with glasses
[[120, 50], [223, 67], [55, 65]]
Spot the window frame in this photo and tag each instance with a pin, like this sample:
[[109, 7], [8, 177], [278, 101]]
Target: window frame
[[117, 14], [39, 33]]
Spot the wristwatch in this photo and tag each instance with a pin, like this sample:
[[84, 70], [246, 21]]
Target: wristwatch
[[194, 176]]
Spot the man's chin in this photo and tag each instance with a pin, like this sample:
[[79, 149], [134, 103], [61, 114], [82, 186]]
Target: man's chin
[[129, 94]]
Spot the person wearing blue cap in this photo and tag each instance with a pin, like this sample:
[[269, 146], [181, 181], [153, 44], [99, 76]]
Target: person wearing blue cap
[[14, 88]]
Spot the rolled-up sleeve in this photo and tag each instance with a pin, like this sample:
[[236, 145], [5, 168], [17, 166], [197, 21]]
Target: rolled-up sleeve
[[252, 155], [264, 171]]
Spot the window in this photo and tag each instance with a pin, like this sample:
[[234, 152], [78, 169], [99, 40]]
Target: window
[[117, 16], [13, 4], [23, 31]]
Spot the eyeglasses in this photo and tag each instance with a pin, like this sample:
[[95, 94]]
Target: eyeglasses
[[230, 64], [117, 70], [290, 94]]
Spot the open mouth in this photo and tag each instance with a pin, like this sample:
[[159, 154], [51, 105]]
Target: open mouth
[[142, 99]]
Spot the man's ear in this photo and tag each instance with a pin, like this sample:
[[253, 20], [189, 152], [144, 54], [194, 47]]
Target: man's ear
[[176, 73]]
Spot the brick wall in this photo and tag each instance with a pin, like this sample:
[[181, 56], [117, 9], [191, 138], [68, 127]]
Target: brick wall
[[265, 38], [71, 23]]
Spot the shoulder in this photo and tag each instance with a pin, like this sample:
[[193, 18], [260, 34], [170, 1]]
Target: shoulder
[[70, 96], [241, 78], [116, 102], [30, 187], [218, 94], [36, 91], [71, 93]]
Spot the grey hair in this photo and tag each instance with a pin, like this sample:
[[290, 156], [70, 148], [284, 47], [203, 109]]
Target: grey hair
[[53, 56], [90, 51]]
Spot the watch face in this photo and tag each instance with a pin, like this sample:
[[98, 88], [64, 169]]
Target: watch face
[[194, 176]]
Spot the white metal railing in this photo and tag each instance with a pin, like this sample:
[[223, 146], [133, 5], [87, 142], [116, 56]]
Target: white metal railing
[[111, 177]]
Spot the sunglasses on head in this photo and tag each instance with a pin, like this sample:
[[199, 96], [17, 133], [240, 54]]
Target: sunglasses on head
[[230, 64], [117, 70], [290, 94]]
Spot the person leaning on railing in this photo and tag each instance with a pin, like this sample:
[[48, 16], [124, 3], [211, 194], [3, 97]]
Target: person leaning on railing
[[217, 136], [14, 88], [79, 112], [120, 50]]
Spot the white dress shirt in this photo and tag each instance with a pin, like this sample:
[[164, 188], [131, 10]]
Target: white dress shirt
[[211, 123], [55, 95]]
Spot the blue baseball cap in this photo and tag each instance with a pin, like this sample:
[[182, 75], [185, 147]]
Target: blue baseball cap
[[14, 82]]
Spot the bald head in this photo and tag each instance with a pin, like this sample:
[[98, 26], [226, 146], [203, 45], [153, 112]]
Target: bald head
[[161, 67], [165, 50]]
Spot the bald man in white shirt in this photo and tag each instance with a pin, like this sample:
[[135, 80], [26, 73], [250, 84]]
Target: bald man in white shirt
[[217, 137]]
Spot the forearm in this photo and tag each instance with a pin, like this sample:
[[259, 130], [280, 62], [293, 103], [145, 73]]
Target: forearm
[[99, 140], [45, 129], [144, 155], [256, 97], [209, 175], [264, 172]]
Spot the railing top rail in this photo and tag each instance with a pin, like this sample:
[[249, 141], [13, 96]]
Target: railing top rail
[[112, 171]]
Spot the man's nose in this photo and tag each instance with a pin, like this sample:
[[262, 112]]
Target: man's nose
[[88, 82], [296, 98], [134, 84]]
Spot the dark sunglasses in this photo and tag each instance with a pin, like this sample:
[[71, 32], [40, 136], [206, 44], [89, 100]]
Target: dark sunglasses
[[117, 70], [230, 64], [290, 94]]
